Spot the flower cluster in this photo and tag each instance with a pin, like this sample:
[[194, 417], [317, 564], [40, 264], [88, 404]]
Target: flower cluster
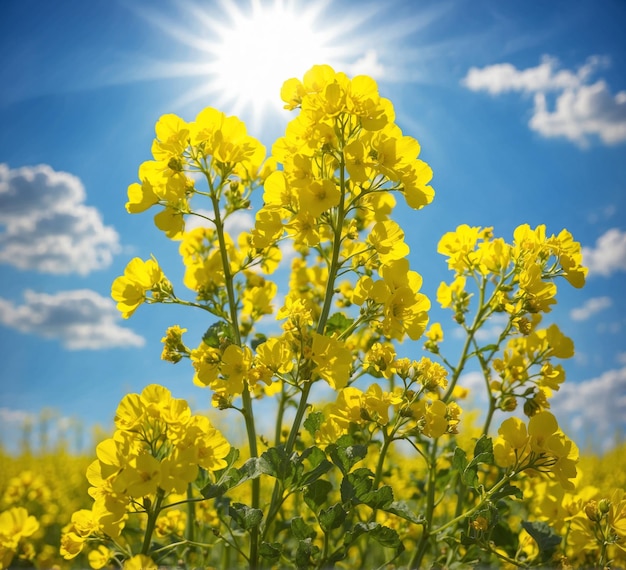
[[156, 451], [542, 448]]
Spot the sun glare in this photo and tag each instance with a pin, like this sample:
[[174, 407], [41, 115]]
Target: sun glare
[[260, 49], [243, 50]]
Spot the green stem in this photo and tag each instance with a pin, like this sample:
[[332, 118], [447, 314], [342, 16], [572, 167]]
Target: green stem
[[321, 326], [153, 514], [416, 561], [328, 298], [191, 516], [245, 396], [477, 507]]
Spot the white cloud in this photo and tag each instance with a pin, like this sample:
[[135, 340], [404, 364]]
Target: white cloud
[[239, 221], [9, 416], [608, 255], [582, 109], [80, 319], [47, 226], [596, 408], [590, 307], [367, 65]]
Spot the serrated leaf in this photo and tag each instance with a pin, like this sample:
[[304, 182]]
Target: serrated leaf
[[316, 494], [356, 484], [380, 498], [385, 536], [302, 530], [246, 517], [314, 455], [345, 454], [332, 517], [275, 462], [358, 487], [544, 535], [470, 476], [483, 453], [507, 490], [401, 509], [338, 323], [483, 445], [271, 551], [306, 550], [459, 461], [313, 422], [317, 459]]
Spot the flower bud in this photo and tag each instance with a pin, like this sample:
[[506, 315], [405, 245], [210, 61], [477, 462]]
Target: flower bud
[[508, 404], [604, 506], [592, 511]]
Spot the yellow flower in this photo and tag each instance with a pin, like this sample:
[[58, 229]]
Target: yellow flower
[[276, 354], [459, 246], [140, 478], [405, 312], [257, 300], [319, 196], [431, 374], [333, 360], [205, 360], [449, 295], [140, 562], [387, 238], [99, 557], [16, 524], [130, 289], [434, 333], [236, 362], [172, 137], [179, 469], [71, 545], [377, 403]]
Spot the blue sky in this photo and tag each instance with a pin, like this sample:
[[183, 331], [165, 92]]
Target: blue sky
[[520, 109]]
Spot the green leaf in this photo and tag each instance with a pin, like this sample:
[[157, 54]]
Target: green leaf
[[385, 536], [345, 454], [246, 517], [358, 487], [356, 484], [276, 463], [483, 445], [332, 517], [301, 530], [470, 476], [483, 453], [313, 422], [217, 334], [545, 537], [271, 551], [338, 323], [401, 509], [459, 461], [507, 491], [317, 458], [306, 550], [316, 494]]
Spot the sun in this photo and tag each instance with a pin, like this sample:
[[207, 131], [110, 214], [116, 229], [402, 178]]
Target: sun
[[243, 50], [261, 48]]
